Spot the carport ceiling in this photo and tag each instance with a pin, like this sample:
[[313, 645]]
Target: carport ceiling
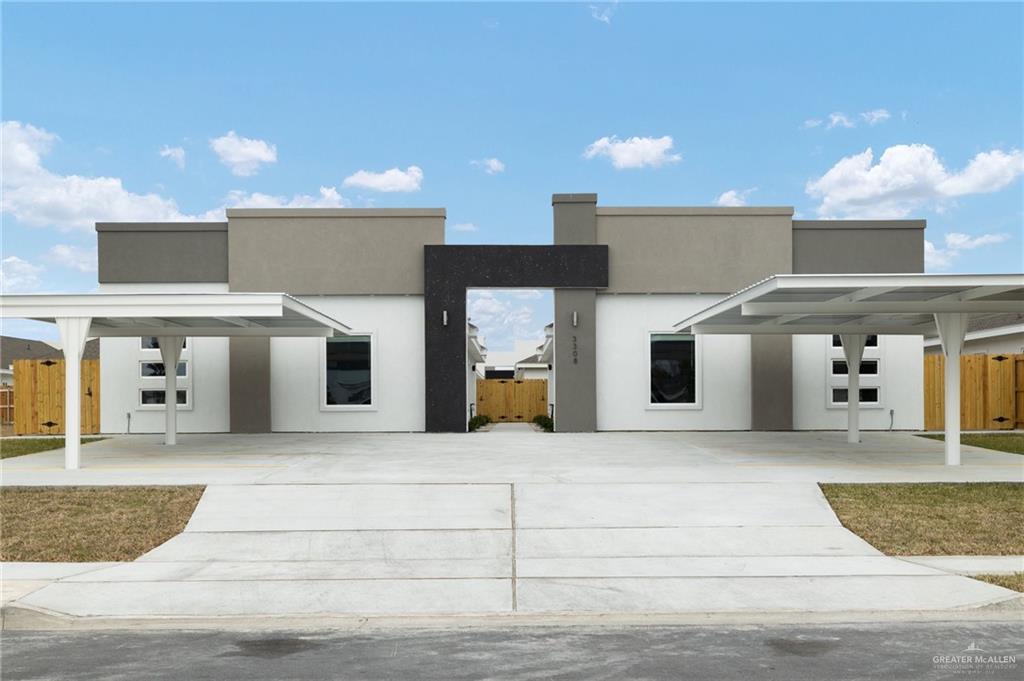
[[179, 314], [858, 303]]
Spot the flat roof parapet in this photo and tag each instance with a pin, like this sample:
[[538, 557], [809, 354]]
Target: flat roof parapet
[[694, 210], [161, 226], [336, 212]]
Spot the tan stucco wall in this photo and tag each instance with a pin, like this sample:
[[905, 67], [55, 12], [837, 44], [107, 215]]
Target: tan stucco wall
[[694, 250], [331, 251]]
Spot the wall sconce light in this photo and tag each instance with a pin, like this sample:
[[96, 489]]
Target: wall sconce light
[[444, 317], [575, 319]]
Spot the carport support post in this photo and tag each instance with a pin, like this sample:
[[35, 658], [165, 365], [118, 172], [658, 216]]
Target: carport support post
[[73, 331], [952, 327], [170, 353], [853, 351]]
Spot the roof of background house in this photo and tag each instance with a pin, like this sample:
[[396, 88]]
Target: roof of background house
[[12, 348]]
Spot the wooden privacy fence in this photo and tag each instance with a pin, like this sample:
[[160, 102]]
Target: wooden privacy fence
[[6, 404], [991, 392], [510, 400], [39, 396]]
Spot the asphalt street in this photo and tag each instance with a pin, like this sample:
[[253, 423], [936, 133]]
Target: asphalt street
[[994, 650]]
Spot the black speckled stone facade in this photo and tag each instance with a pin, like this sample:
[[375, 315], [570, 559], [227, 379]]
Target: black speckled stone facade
[[450, 270]]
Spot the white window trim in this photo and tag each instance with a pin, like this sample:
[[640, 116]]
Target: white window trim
[[698, 353], [374, 383], [144, 360], [865, 405], [845, 377], [843, 380], [159, 407], [157, 350]]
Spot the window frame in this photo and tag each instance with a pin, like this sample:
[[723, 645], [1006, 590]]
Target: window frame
[[870, 377], [374, 382], [181, 377], [698, 379], [141, 406], [877, 404]]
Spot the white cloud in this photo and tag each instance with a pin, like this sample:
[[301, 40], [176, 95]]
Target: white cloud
[[812, 123], [734, 197], [38, 197], [837, 119], [464, 227], [73, 257], [955, 243], [242, 155], [876, 116], [327, 198], [176, 154], [634, 152], [907, 177], [491, 166], [502, 316], [604, 12], [393, 180], [17, 275]]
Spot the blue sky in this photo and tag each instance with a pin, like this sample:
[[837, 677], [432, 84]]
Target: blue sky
[[132, 111]]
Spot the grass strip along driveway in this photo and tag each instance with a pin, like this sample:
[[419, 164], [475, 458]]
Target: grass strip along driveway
[[11, 447], [1012, 443], [82, 524], [936, 519]]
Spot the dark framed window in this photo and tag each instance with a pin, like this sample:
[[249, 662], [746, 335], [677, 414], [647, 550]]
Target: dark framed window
[[157, 397], [673, 369], [867, 395], [156, 369], [348, 371], [870, 342], [868, 367]]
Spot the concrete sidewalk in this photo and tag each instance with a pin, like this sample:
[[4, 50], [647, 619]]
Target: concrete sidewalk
[[510, 549], [511, 523]]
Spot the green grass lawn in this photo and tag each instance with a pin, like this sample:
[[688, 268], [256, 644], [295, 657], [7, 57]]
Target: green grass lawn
[[1001, 442], [934, 519], [81, 524], [1014, 582], [10, 447]]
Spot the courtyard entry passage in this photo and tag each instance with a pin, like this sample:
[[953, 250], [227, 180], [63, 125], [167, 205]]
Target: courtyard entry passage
[[507, 400]]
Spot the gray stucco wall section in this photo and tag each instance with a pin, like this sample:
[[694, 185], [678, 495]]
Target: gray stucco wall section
[[144, 252], [331, 251], [694, 250], [575, 346], [710, 250], [858, 246], [249, 376]]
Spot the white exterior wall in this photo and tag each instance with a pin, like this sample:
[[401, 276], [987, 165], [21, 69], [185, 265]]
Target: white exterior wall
[[624, 325], [297, 367], [901, 379], [470, 390], [209, 411]]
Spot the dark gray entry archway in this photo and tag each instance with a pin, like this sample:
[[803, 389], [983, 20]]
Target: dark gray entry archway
[[450, 270]]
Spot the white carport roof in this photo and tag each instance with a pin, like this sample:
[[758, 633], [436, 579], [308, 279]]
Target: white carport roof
[[178, 314], [858, 303], [855, 305], [171, 317]]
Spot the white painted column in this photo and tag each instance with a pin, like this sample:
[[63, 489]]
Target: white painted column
[[853, 351], [952, 327], [170, 353], [73, 331]]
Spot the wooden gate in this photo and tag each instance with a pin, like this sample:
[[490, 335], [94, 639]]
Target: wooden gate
[[991, 392], [510, 400], [39, 396]]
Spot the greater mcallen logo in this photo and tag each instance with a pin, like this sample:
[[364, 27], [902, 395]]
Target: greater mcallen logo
[[974, 659]]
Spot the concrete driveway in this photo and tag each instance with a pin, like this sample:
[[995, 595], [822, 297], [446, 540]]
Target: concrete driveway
[[511, 524]]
